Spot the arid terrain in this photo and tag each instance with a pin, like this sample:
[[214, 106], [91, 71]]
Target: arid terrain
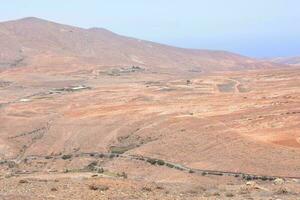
[[89, 114], [293, 61]]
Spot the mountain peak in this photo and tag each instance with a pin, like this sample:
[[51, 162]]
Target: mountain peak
[[32, 19]]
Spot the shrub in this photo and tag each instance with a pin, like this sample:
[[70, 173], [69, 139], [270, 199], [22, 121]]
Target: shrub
[[151, 161], [101, 155], [281, 191], [23, 181], [123, 175], [92, 165], [48, 157], [92, 154], [120, 150], [100, 170], [248, 178], [98, 187], [160, 162], [229, 194], [66, 156], [112, 155], [169, 165], [12, 164]]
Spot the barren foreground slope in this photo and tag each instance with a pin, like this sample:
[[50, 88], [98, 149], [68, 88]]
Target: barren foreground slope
[[61, 128], [84, 118]]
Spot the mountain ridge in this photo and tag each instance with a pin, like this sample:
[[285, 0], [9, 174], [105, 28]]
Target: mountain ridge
[[32, 38]]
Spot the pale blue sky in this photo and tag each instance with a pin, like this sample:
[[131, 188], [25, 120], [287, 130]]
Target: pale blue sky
[[258, 28]]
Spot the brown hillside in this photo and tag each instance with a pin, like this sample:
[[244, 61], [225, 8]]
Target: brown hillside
[[33, 40]]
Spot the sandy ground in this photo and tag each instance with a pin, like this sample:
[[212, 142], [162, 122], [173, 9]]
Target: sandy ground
[[235, 121]]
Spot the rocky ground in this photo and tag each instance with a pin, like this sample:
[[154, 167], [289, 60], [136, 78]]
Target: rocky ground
[[134, 133]]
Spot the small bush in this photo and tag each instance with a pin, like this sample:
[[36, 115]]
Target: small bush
[[92, 154], [12, 164], [160, 162], [123, 175], [229, 194], [147, 189], [169, 165], [23, 181], [248, 178], [112, 155], [91, 166], [66, 157], [100, 170], [264, 178], [98, 187], [120, 150], [151, 161], [281, 191], [101, 155]]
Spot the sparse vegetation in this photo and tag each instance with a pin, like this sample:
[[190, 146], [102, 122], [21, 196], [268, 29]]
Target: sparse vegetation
[[66, 156], [98, 187], [204, 173], [123, 175], [281, 191], [151, 161], [48, 157], [228, 86], [120, 150], [170, 165], [229, 194], [23, 181], [124, 70], [160, 162]]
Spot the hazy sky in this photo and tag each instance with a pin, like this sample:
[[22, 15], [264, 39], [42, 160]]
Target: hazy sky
[[259, 28]]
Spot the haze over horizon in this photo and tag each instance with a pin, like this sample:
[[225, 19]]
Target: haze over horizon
[[256, 29]]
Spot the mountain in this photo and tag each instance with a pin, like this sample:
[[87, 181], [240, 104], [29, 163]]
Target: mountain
[[33, 41]]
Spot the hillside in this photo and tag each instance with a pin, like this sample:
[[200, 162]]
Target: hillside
[[36, 41]]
